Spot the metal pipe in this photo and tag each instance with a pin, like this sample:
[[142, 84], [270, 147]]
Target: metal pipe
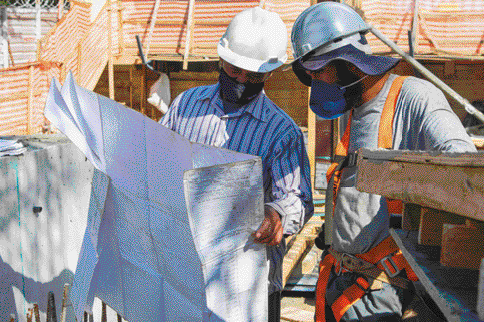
[[431, 77]]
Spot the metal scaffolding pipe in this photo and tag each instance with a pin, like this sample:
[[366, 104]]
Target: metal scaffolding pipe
[[431, 77]]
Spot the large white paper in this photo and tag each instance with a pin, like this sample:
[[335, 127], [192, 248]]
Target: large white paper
[[225, 206], [11, 147], [139, 254]]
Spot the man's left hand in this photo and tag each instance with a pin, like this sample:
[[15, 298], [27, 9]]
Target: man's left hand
[[270, 231]]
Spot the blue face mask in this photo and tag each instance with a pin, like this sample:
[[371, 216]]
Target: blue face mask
[[235, 92], [328, 100]]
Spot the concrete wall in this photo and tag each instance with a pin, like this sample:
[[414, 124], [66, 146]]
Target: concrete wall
[[39, 251]]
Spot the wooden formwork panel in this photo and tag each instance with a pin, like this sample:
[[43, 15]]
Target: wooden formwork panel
[[299, 246], [445, 181], [444, 194]]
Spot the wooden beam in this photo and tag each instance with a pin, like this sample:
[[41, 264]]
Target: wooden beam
[[431, 225], [411, 216], [79, 63], [189, 35], [10, 53], [110, 52], [120, 27], [462, 245], [180, 22], [152, 25], [441, 180], [142, 95], [30, 100], [413, 37], [38, 27], [131, 86], [447, 309], [60, 10]]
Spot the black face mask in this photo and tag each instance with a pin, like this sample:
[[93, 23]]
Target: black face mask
[[238, 93], [353, 94]]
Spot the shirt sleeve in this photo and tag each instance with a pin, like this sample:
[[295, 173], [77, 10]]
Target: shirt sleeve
[[291, 183], [169, 119], [441, 128]]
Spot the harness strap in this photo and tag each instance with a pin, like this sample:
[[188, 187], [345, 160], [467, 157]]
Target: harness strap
[[372, 265], [385, 132], [324, 271], [349, 297], [383, 262]]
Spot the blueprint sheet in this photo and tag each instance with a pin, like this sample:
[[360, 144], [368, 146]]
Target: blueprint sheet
[[225, 205], [144, 253]]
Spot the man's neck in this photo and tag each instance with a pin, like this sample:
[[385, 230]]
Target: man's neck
[[372, 85]]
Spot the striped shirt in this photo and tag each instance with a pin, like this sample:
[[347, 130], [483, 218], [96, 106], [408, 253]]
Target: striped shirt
[[259, 128]]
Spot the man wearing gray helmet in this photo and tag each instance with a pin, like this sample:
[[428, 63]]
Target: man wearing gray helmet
[[363, 275], [236, 114]]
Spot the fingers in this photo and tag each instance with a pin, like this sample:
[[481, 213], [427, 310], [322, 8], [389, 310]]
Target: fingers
[[270, 231]]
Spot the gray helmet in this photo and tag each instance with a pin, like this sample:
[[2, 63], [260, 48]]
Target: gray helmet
[[333, 31], [325, 24]]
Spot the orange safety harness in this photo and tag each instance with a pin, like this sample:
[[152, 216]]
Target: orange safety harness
[[383, 262]]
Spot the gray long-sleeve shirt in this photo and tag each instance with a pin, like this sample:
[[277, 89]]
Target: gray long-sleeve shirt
[[423, 121]]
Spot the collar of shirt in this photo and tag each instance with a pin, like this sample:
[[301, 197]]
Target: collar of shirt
[[256, 107]]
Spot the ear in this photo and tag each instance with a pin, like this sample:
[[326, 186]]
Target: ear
[[355, 70]]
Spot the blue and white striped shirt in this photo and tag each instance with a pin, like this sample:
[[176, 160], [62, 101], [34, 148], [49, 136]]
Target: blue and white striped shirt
[[258, 128]]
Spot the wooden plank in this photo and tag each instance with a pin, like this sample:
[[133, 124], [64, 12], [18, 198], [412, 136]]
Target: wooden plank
[[143, 89], [445, 181], [411, 216], [152, 25], [431, 225], [478, 142], [299, 246], [480, 292], [110, 51], [131, 86], [79, 62], [462, 245], [449, 68], [30, 101], [120, 27], [60, 9], [189, 35], [178, 22], [453, 290], [413, 43]]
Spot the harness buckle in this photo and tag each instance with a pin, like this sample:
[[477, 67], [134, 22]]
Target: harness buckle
[[390, 266], [338, 268], [352, 159]]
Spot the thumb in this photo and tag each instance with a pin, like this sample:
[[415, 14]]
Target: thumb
[[263, 226]]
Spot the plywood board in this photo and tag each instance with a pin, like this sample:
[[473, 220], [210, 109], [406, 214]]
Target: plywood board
[[411, 216], [431, 224], [445, 181], [462, 246]]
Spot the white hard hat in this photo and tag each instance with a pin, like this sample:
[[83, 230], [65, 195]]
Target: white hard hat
[[255, 40]]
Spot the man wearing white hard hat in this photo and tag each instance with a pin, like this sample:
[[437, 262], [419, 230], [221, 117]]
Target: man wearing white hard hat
[[363, 274], [236, 114]]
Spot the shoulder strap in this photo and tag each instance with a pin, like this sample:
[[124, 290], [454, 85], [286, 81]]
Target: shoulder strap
[[385, 130], [341, 149]]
